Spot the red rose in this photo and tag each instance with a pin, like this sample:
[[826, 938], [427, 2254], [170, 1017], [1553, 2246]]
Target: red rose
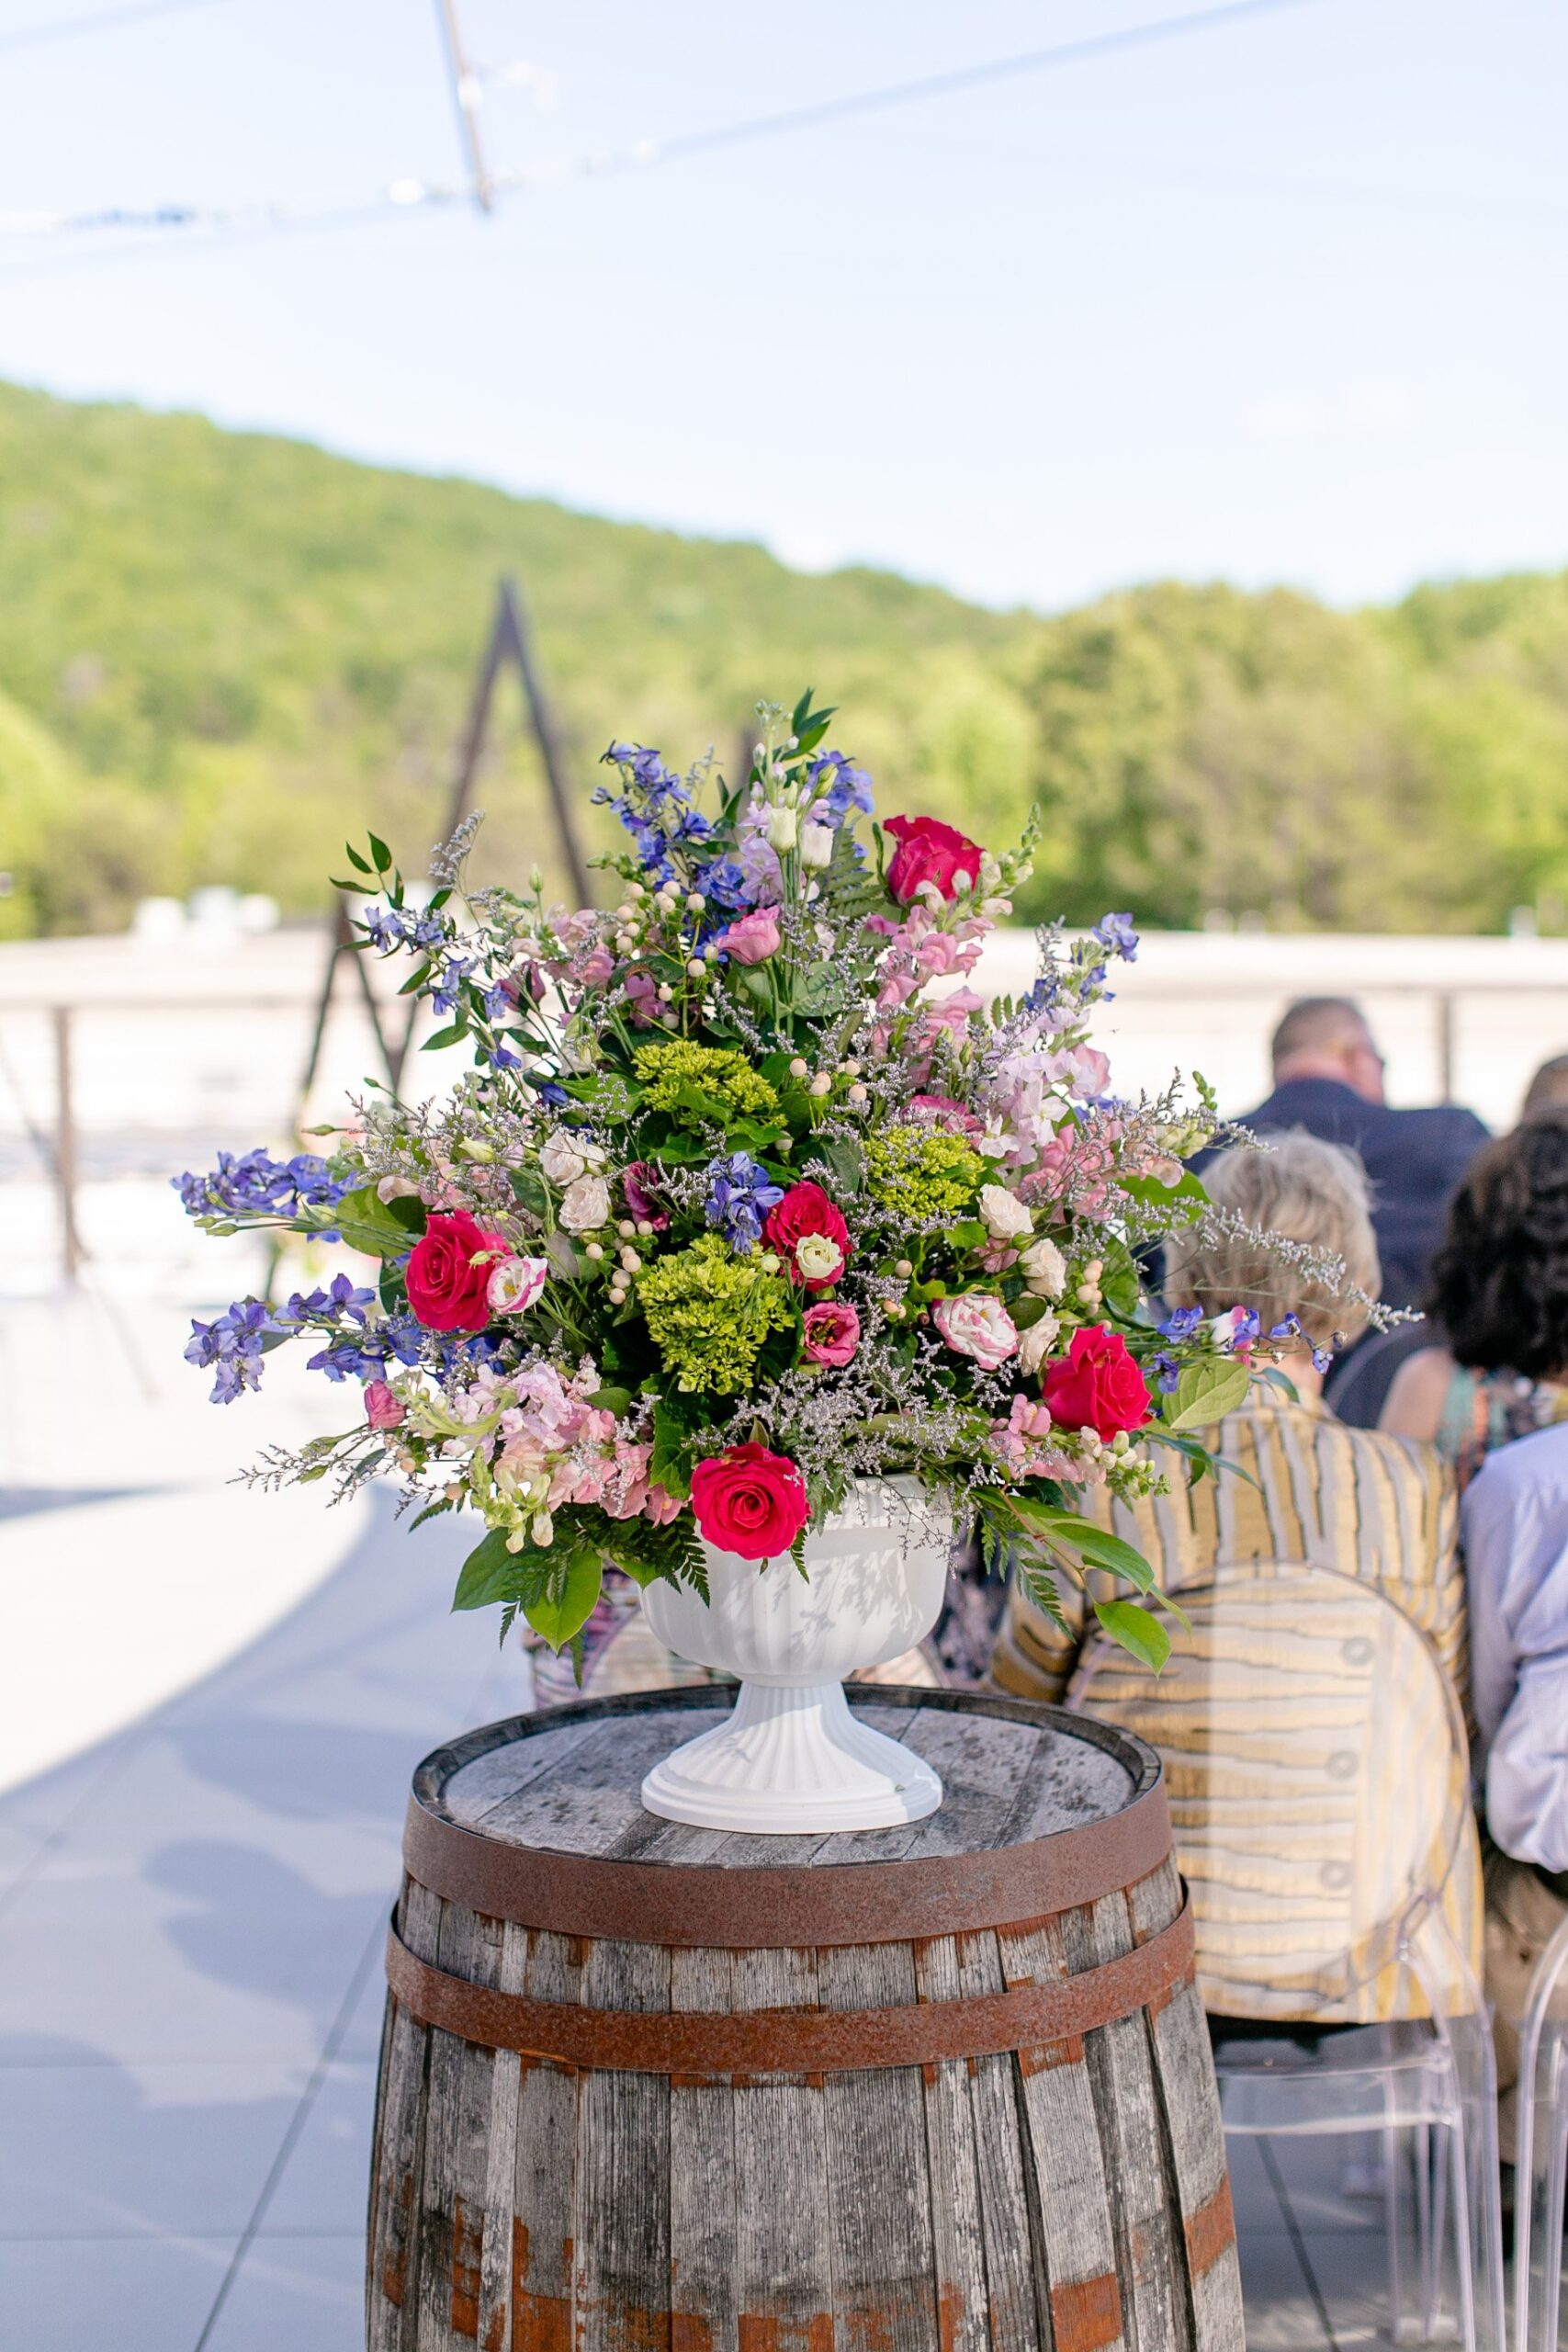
[[750, 1501], [447, 1291], [930, 851], [807, 1210], [1097, 1384]]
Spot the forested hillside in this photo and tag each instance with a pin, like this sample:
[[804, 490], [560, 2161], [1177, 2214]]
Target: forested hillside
[[220, 651]]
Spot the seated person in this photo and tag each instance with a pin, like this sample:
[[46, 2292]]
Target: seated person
[[1316, 1492], [1515, 1545], [1499, 1291], [1328, 1078]]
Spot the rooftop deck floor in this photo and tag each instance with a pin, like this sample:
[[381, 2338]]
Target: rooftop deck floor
[[191, 1923]]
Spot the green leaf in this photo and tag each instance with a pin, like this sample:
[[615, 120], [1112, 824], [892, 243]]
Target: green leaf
[[430, 1511], [380, 1229], [1133, 1630], [611, 1400], [1119, 1284], [381, 854], [450, 1035], [355, 859], [1206, 1392], [490, 1573], [670, 1466], [564, 1608], [1102, 1550]]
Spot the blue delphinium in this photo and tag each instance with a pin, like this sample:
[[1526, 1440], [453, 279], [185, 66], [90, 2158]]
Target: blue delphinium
[[850, 788], [257, 1183], [1168, 1373], [1180, 1323], [1116, 933], [739, 1196], [232, 1345]]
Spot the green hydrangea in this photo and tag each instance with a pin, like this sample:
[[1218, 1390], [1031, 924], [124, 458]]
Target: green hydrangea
[[724, 1075], [709, 1313], [920, 1173]]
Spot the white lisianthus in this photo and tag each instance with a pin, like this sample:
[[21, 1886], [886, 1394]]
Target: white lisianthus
[[1036, 1344], [818, 1257], [1002, 1213], [585, 1205], [816, 844], [1045, 1269], [783, 829], [396, 1188], [516, 1284]]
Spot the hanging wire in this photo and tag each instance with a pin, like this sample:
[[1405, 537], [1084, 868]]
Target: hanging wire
[[411, 194]]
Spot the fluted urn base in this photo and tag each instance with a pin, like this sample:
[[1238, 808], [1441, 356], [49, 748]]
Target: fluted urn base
[[792, 1760]]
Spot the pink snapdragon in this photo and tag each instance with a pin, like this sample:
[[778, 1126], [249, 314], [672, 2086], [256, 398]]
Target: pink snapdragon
[[383, 1410], [1021, 1443]]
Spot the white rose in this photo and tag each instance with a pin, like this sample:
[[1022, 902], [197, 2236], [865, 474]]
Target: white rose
[[1036, 1344], [783, 829], [1003, 1214], [816, 844], [516, 1284], [585, 1205], [818, 1257], [561, 1159], [1045, 1269]]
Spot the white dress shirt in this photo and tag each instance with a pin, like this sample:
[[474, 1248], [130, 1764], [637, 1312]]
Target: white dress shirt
[[1514, 1529]]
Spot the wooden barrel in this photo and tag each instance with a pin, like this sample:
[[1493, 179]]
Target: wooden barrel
[[651, 2089]]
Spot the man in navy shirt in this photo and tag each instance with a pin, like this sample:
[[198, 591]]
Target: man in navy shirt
[[1328, 1078]]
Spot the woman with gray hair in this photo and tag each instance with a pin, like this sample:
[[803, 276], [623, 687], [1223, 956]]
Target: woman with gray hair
[[1314, 1492]]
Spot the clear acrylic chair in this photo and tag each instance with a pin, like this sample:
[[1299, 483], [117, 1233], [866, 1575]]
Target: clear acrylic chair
[[1541, 2316], [1318, 1776]]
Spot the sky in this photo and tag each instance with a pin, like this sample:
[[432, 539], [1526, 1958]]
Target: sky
[[1280, 299]]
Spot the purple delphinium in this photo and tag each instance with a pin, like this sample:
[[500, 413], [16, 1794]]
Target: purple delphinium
[[738, 1195], [232, 1345], [256, 1184], [1116, 933], [850, 788], [1180, 1323]]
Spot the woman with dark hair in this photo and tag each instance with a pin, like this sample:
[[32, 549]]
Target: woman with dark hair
[[1499, 1293]]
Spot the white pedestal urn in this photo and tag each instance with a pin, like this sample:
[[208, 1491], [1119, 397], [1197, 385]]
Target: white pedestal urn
[[792, 1758]]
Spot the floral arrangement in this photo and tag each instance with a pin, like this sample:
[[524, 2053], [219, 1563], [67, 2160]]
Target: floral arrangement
[[746, 1193]]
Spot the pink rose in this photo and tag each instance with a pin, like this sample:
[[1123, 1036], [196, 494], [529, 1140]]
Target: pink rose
[[382, 1410], [1097, 1384], [753, 938], [448, 1273], [833, 1333], [975, 1323], [930, 851], [805, 1211], [750, 1501]]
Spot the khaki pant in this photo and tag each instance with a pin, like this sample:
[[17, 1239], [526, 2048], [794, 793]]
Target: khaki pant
[[1522, 1915]]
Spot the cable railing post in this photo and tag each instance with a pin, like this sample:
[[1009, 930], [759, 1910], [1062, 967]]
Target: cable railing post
[[71, 1251]]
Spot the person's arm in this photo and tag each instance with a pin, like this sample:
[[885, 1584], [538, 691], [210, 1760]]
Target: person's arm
[[1515, 1543], [1414, 1405]]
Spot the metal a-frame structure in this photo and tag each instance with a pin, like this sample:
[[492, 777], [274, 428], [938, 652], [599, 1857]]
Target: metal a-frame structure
[[509, 642]]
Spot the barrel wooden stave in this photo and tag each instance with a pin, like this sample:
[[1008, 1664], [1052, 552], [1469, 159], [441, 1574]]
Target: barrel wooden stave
[[1071, 2196]]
